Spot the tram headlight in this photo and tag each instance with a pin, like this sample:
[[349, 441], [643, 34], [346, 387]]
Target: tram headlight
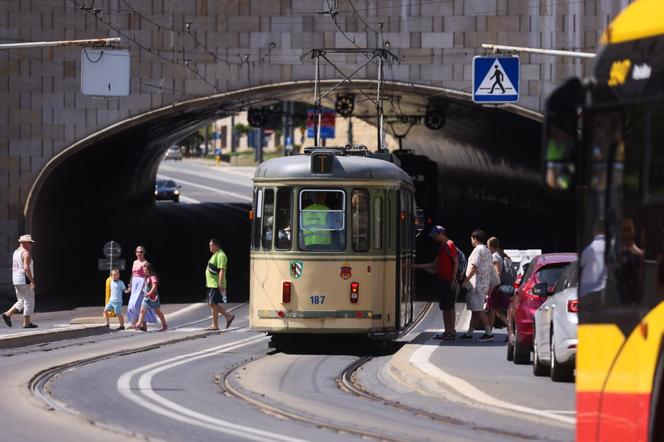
[[354, 292], [286, 292]]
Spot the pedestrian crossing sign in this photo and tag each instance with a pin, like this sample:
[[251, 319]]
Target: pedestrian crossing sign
[[496, 79]]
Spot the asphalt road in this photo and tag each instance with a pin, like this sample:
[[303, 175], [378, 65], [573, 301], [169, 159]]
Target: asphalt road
[[184, 384]]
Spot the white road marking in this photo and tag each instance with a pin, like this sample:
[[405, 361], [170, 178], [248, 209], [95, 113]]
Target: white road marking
[[173, 410], [238, 179], [186, 199], [211, 189], [421, 359]]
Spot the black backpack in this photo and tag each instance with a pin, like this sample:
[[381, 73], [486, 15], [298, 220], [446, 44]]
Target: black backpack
[[508, 273]]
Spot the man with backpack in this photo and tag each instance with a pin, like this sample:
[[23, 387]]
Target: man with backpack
[[446, 266]]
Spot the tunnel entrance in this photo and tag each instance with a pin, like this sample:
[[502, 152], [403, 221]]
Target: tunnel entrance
[[102, 188]]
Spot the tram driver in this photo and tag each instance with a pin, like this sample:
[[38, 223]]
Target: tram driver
[[315, 227]]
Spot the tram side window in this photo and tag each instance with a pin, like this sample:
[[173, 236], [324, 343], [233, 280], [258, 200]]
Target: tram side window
[[322, 220], [283, 219], [359, 207], [378, 222], [258, 217], [268, 219]]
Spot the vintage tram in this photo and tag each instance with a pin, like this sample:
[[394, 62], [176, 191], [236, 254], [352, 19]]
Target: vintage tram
[[333, 236]]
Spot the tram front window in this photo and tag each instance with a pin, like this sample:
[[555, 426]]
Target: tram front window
[[322, 220]]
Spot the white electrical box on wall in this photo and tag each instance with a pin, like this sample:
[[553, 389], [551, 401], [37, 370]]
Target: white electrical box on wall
[[105, 72]]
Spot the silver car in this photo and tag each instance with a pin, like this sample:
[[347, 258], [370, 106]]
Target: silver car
[[173, 153], [556, 321]]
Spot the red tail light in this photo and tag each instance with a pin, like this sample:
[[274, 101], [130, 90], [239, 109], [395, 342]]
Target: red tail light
[[354, 292], [285, 292], [573, 306], [516, 285]]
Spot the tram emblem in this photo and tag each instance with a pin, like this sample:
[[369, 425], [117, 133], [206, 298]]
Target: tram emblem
[[346, 271], [296, 269]]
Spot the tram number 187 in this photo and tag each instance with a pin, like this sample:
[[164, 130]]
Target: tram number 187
[[317, 299]]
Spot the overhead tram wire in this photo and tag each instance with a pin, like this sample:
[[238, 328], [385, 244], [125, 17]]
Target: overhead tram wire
[[362, 18], [186, 63]]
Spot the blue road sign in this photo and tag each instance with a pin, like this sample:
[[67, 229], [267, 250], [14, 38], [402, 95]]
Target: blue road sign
[[496, 79]]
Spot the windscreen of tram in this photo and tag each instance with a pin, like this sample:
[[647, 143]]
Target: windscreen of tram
[[622, 258], [322, 220]]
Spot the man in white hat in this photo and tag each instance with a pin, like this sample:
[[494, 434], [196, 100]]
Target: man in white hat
[[24, 282]]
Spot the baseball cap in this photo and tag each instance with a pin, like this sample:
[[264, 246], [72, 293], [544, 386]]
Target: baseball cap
[[435, 230]]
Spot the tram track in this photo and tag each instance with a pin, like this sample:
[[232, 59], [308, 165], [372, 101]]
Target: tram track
[[40, 385], [344, 382]]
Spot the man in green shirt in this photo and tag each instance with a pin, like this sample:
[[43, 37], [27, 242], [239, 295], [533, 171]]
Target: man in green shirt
[[215, 281], [315, 229]]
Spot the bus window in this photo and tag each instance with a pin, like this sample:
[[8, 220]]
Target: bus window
[[378, 222], [359, 208], [268, 219], [322, 220], [283, 219], [258, 217]]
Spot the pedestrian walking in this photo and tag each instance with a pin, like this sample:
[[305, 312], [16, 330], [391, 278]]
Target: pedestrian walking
[[445, 266], [499, 298], [151, 301], [23, 277], [138, 288], [215, 282], [117, 288], [478, 277]]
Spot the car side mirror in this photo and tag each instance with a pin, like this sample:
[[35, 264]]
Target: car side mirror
[[541, 290], [179, 186]]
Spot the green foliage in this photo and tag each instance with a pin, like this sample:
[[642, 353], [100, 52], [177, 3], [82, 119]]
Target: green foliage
[[241, 129]]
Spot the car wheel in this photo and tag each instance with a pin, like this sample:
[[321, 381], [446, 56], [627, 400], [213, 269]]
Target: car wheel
[[559, 372], [521, 354], [539, 369]]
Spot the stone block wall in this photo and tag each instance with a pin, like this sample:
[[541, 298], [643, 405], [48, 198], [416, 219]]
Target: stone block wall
[[232, 44]]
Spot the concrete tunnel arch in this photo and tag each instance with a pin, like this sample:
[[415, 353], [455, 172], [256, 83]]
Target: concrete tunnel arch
[[100, 188]]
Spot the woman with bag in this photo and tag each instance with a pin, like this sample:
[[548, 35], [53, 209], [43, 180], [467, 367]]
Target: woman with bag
[[499, 297]]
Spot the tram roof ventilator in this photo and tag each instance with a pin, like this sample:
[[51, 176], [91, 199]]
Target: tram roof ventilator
[[323, 158]]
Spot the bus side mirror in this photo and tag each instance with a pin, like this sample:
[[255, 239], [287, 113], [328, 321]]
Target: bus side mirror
[[561, 141]]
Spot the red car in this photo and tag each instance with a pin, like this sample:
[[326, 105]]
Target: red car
[[527, 298]]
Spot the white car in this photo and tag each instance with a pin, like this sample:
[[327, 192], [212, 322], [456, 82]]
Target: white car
[[556, 321]]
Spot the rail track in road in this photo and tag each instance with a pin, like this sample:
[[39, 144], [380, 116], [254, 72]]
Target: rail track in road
[[344, 381], [40, 384]]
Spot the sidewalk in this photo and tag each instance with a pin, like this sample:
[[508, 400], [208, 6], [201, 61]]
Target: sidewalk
[[476, 374], [60, 325]]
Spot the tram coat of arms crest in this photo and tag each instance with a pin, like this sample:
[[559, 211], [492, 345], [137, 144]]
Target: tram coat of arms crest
[[345, 271], [296, 269]]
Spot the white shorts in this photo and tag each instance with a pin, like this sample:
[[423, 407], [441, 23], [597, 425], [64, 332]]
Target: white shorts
[[26, 299], [475, 300]]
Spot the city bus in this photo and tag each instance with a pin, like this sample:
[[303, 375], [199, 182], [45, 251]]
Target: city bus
[[332, 248], [604, 141]]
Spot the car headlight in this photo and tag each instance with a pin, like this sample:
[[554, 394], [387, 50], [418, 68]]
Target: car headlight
[[156, 192], [177, 192]]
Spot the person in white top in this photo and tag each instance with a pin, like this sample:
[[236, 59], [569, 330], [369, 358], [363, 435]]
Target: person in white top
[[478, 277], [23, 277]]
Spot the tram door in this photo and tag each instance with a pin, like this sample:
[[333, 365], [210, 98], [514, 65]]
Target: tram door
[[404, 255]]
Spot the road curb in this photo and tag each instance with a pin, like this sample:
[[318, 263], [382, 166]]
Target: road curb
[[41, 337]]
